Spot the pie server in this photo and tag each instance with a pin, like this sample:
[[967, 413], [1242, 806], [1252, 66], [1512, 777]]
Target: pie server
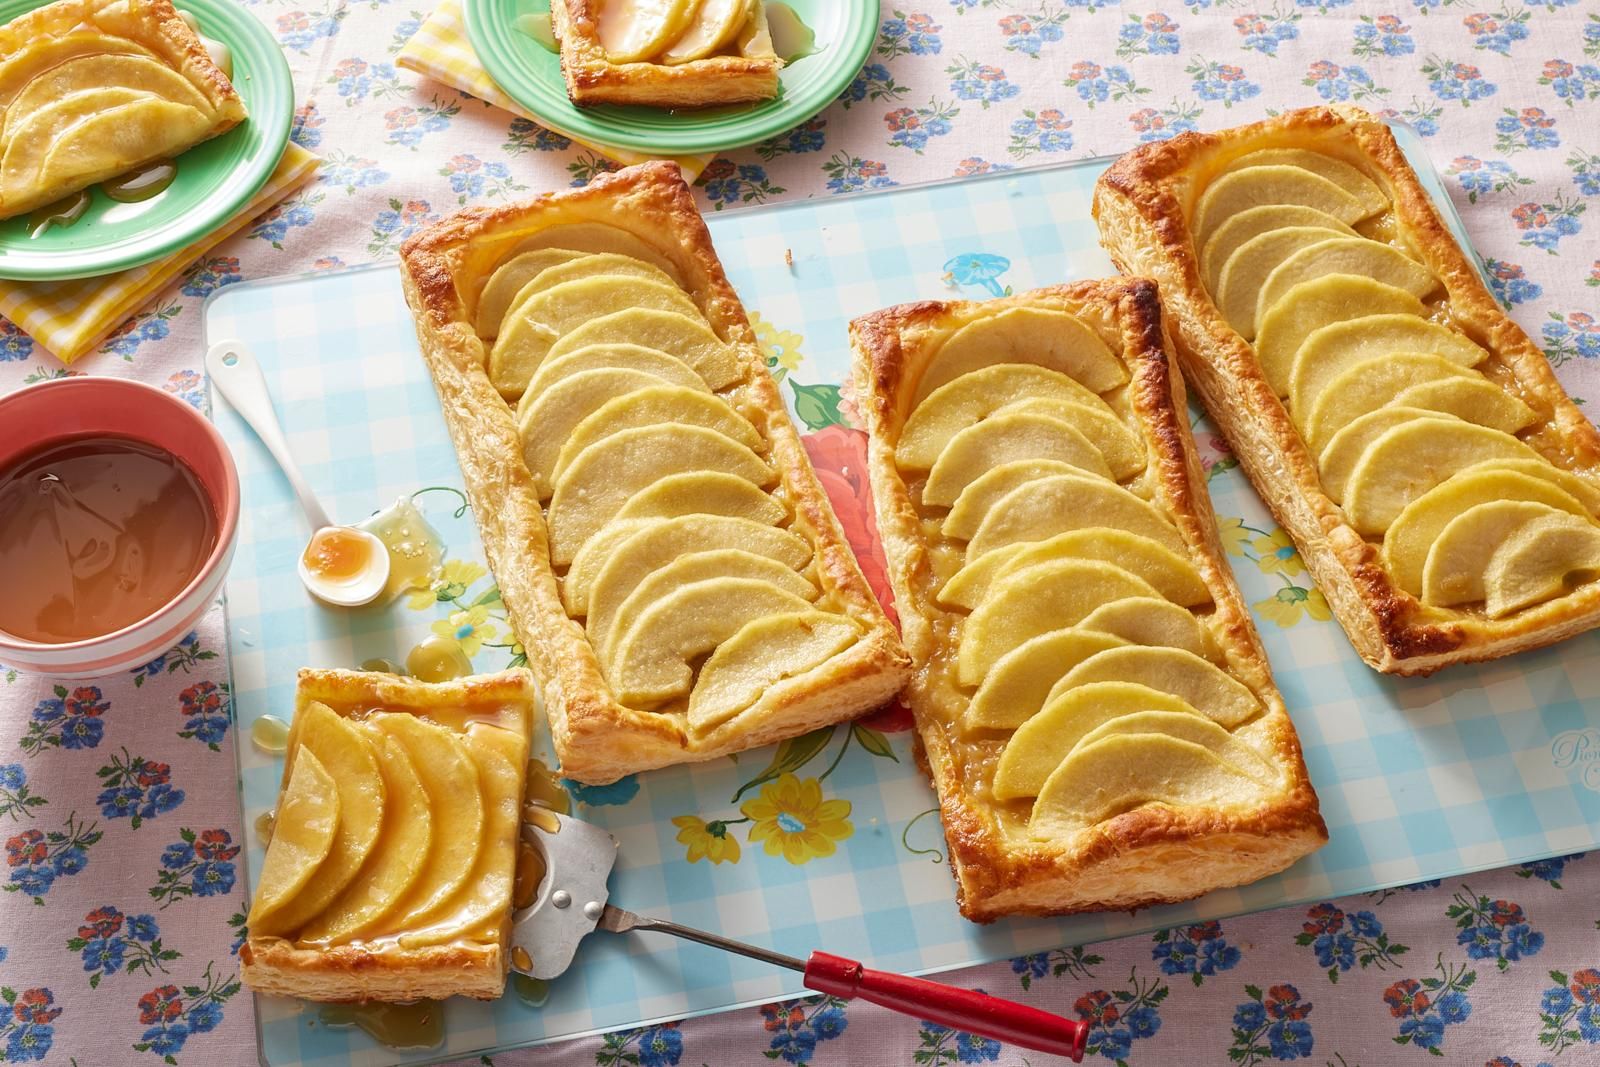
[[572, 900]]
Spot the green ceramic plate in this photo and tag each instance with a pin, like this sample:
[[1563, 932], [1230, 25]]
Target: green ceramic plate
[[531, 75], [213, 180]]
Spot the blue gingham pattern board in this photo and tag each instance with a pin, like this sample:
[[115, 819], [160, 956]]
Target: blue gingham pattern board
[[1420, 779]]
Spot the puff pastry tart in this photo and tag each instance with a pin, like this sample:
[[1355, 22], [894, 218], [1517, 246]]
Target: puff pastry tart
[[390, 870], [1095, 708], [91, 89], [668, 557], [665, 53], [1438, 482]]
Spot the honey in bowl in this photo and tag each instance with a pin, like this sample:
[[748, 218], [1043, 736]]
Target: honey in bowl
[[96, 533]]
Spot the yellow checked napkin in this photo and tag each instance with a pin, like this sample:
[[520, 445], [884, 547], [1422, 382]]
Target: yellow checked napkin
[[71, 317], [440, 50]]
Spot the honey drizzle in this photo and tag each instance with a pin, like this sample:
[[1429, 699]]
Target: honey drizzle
[[416, 1025]]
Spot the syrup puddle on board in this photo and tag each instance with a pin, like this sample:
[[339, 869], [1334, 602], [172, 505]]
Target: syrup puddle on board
[[270, 734], [536, 24], [266, 822], [531, 991], [416, 551], [402, 1027]]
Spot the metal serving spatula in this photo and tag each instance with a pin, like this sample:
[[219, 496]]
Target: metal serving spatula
[[572, 900]]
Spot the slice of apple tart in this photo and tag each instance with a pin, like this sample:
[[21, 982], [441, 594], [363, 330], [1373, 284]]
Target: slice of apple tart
[[390, 870], [1095, 707], [669, 560], [1441, 486]]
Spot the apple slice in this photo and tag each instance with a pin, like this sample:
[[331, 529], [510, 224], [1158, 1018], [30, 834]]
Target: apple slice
[[1411, 459], [1242, 275], [1017, 685], [716, 24], [1143, 620], [547, 423], [1053, 340], [686, 337], [1215, 693], [303, 833], [979, 495], [1309, 306], [348, 757], [1344, 255], [761, 655], [1365, 387], [1037, 510], [654, 406], [1335, 348], [557, 369], [1345, 448], [978, 394], [604, 264], [1582, 488], [649, 662], [1122, 448], [592, 238], [643, 545], [1240, 190], [1036, 600], [507, 281], [596, 484], [1174, 577], [1345, 175], [1045, 739], [614, 604], [637, 31], [1548, 558], [1253, 222], [1456, 564], [1471, 400], [397, 862], [703, 493], [1122, 772], [1009, 438]]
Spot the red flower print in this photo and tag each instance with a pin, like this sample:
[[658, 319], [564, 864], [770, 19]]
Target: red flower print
[[1230, 73], [780, 1017], [970, 166], [1467, 163], [294, 20], [1015, 24], [1159, 23], [101, 922], [1581, 321], [1406, 997], [1097, 1007], [1052, 119], [902, 118], [1480, 23], [1391, 24], [1084, 71], [1325, 919], [990, 74], [215, 845], [414, 212], [1283, 1002], [160, 1005], [85, 700], [1248, 24], [153, 773], [717, 168], [202, 698], [1535, 118], [1557, 68], [27, 847], [35, 1006], [1466, 72], [1147, 119], [920, 23], [1529, 216], [400, 118], [350, 68], [1586, 985], [1322, 70], [1503, 913], [1204, 931]]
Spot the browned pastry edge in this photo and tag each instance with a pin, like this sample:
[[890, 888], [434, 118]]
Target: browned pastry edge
[[1154, 854], [1140, 206], [598, 739], [594, 79]]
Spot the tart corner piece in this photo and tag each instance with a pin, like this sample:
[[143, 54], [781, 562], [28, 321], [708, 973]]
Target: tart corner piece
[[666, 553], [732, 62], [1094, 705], [1332, 325], [390, 871]]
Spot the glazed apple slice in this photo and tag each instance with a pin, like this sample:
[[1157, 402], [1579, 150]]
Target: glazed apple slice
[[1003, 439], [684, 336], [1174, 577], [763, 654], [1411, 459], [1215, 693], [1153, 621], [979, 495], [507, 281], [1243, 274], [1329, 351], [703, 493], [634, 31], [547, 424], [1345, 448], [1253, 222], [1248, 187], [303, 833], [1311, 305], [976, 395], [1123, 450], [1042, 337], [1017, 686], [608, 356], [1545, 559], [1458, 561], [1345, 175], [592, 238], [1369, 385], [716, 25], [1343, 255], [655, 406], [1037, 510]]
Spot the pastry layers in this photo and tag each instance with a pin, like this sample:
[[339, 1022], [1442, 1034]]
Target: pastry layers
[[673, 54], [390, 871], [667, 556], [1095, 708], [1437, 480], [91, 89]]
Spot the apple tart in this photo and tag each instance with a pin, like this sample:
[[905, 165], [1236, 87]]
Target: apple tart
[[92, 89], [1095, 707], [390, 871], [665, 53], [1439, 483], [667, 556]]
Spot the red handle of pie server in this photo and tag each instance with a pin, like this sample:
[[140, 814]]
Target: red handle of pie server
[[960, 1009]]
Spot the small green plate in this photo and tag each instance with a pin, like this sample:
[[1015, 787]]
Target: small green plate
[[531, 75], [214, 179]]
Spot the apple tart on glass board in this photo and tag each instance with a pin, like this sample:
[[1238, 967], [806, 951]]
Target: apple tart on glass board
[[1439, 483], [666, 553], [92, 89], [390, 869], [1095, 707]]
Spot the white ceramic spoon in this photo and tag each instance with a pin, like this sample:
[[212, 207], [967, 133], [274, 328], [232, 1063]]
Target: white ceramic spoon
[[237, 376]]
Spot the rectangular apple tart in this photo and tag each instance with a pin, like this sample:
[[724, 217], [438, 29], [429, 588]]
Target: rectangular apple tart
[[665, 53], [1093, 702], [390, 870], [666, 553], [92, 89], [1413, 441]]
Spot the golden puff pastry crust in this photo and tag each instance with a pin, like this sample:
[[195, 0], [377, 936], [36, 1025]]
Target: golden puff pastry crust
[[66, 41], [1154, 853], [599, 739], [385, 968], [1143, 205], [593, 78]]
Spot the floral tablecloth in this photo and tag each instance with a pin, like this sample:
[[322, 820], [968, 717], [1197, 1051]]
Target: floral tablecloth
[[122, 907]]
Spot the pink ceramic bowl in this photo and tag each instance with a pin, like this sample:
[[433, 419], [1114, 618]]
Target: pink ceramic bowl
[[71, 407]]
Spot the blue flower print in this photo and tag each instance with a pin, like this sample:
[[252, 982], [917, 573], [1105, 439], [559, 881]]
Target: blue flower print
[[204, 1018], [1426, 1007], [14, 344], [17, 801], [306, 129], [187, 653], [809, 136], [172, 1015], [1150, 35], [1271, 1026], [794, 1029], [407, 126], [356, 80], [1384, 35], [1497, 32], [981, 82], [847, 173], [1575, 334], [1544, 225], [978, 268], [1457, 81], [25, 1025], [1336, 83], [401, 220], [1153, 125], [1029, 34], [149, 325], [940, 1044], [908, 34], [109, 942], [1119, 1017], [525, 136], [1511, 286], [1570, 82], [211, 274], [1341, 940], [299, 30], [471, 177], [70, 720], [297, 212], [198, 864], [404, 30], [340, 169], [1221, 81], [1323, 6], [1048, 130], [37, 858], [1548, 871], [1096, 84], [1528, 128], [1264, 33], [726, 182], [975, 165], [912, 127], [650, 1046], [1479, 177], [873, 83], [136, 789], [599, 796], [1199, 951]]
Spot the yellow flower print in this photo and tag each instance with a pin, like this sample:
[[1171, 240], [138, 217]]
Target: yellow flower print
[[1286, 606], [791, 819], [454, 578], [1277, 554], [469, 629], [781, 347], [1234, 534], [707, 841]]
